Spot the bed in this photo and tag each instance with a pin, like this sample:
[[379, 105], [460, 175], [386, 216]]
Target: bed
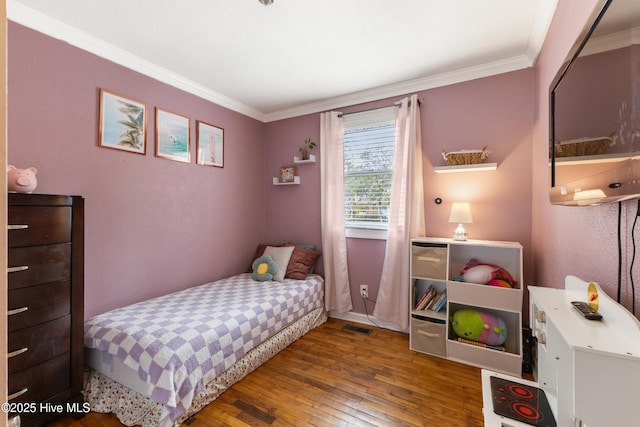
[[158, 362]]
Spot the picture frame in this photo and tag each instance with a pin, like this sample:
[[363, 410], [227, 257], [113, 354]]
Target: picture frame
[[210, 144], [288, 173], [123, 123], [173, 140]]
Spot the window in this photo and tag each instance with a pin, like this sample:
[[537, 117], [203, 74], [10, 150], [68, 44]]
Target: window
[[368, 162]]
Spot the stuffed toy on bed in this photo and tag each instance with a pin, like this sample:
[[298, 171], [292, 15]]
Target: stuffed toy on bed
[[487, 274], [264, 268], [480, 326]]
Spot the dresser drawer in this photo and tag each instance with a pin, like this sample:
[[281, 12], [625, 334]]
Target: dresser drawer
[[37, 304], [41, 225], [30, 346], [39, 264], [45, 301], [39, 382]]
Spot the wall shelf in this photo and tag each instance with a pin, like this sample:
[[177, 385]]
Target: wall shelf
[[467, 168], [595, 159], [296, 181], [312, 159]]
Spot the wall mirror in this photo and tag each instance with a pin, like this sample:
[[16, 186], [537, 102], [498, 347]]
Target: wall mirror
[[594, 150]]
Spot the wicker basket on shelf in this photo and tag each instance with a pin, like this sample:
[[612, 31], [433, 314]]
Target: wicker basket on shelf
[[584, 147], [465, 157]]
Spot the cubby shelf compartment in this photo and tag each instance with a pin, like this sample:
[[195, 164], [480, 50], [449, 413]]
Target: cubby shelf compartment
[[298, 160], [437, 262], [508, 359], [296, 181]]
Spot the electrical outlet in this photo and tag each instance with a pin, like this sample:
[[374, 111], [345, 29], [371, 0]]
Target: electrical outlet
[[364, 291]]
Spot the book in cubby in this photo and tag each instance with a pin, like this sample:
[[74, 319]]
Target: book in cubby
[[429, 296], [439, 302]]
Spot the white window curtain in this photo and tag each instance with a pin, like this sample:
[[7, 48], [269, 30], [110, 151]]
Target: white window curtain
[[406, 216], [334, 243]]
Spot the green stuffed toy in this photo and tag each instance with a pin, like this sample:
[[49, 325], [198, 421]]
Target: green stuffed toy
[[479, 326], [263, 268]]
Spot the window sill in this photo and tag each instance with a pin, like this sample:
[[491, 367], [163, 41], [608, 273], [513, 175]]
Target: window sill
[[365, 233]]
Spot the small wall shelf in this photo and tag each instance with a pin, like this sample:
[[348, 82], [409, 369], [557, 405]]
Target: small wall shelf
[[312, 159], [296, 180], [595, 159], [467, 168]]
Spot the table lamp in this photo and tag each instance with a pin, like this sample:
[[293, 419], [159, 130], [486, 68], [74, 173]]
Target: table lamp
[[460, 213]]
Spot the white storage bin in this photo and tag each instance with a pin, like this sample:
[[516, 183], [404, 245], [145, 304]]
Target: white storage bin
[[429, 337]]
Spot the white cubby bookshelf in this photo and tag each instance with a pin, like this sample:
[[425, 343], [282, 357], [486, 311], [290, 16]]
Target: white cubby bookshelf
[[436, 262]]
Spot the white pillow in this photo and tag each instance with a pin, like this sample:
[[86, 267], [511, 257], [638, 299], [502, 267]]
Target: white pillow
[[281, 255], [479, 274]]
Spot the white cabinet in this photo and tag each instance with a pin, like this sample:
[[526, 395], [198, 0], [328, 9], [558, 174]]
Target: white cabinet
[[436, 264], [589, 371]]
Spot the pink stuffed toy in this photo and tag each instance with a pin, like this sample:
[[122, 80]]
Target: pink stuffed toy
[[21, 180], [477, 272]]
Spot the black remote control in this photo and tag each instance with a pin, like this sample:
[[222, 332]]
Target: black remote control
[[586, 311]]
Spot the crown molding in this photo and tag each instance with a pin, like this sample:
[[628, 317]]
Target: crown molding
[[403, 88], [30, 18], [612, 41], [543, 20]]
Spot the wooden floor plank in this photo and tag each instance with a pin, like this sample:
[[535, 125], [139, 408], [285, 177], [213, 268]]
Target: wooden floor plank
[[333, 377]]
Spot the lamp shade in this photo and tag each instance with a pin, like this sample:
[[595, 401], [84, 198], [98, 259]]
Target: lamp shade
[[460, 213]]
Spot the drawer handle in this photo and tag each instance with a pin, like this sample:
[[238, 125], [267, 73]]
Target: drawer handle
[[17, 394], [17, 269], [17, 352], [429, 258], [17, 311], [17, 227], [428, 334]]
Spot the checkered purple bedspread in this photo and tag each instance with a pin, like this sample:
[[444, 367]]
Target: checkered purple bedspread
[[181, 341]]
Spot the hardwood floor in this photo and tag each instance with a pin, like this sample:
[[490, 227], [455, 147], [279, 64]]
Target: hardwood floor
[[333, 377]]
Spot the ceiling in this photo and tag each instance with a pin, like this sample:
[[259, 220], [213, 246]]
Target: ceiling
[[299, 56]]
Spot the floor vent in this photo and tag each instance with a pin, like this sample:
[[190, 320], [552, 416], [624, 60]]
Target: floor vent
[[352, 328]]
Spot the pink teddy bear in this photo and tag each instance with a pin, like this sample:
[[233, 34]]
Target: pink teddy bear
[[21, 180]]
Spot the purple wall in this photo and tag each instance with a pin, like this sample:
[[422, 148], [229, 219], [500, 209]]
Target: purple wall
[[292, 211], [152, 225], [495, 111]]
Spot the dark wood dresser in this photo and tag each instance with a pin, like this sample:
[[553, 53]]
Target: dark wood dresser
[[45, 305]]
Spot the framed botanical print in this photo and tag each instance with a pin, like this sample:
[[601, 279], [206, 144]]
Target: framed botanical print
[[172, 136], [210, 145], [123, 123]]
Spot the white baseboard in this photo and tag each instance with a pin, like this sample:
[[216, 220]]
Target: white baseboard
[[366, 320]]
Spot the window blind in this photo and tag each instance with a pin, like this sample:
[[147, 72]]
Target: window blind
[[369, 139]]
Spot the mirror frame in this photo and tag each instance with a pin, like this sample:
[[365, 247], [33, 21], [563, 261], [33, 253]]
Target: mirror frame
[[572, 56], [616, 190]]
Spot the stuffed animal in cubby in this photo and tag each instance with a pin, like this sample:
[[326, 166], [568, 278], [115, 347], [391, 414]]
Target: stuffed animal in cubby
[[21, 180], [487, 274], [480, 326]]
